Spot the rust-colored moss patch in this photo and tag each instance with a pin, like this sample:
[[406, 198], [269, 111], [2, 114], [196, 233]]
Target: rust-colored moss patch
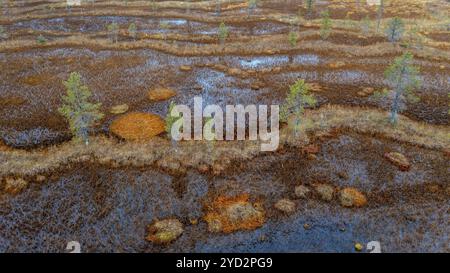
[[3, 146], [15, 185], [311, 149], [228, 214], [337, 64], [160, 94], [351, 197], [138, 126]]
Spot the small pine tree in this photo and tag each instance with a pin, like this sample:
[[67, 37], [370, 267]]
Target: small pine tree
[[380, 14], [403, 77], [153, 5], [293, 38], [41, 39], [223, 33], [395, 29], [113, 30], [3, 34], [309, 7], [296, 101], [80, 113], [218, 7], [348, 22], [299, 18], [449, 103], [132, 30], [365, 25], [414, 39], [325, 26], [251, 6]]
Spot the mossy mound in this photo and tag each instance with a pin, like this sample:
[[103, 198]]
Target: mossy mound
[[351, 197], [119, 109], [138, 126], [164, 231], [161, 94], [398, 160], [229, 214]]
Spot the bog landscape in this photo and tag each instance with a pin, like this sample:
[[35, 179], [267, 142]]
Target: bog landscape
[[87, 154]]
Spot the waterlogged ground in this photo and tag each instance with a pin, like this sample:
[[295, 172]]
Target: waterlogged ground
[[104, 209], [107, 209], [91, 25]]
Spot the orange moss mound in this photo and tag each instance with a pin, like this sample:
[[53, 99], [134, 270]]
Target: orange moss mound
[[229, 214], [138, 126], [160, 94], [351, 197]]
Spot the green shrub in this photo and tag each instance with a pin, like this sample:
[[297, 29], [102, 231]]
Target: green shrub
[[113, 30], [309, 7], [365, 25], [325, 25], [293, 38], [414, 39], [218, 7], [380, 14], [132, 30], [3, 34], [251, 6], [41, 39], [222, 33]]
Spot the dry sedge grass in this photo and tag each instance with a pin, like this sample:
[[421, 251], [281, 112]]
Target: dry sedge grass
[[267, 45], [122, 8], [193, 154], [374, 121]]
